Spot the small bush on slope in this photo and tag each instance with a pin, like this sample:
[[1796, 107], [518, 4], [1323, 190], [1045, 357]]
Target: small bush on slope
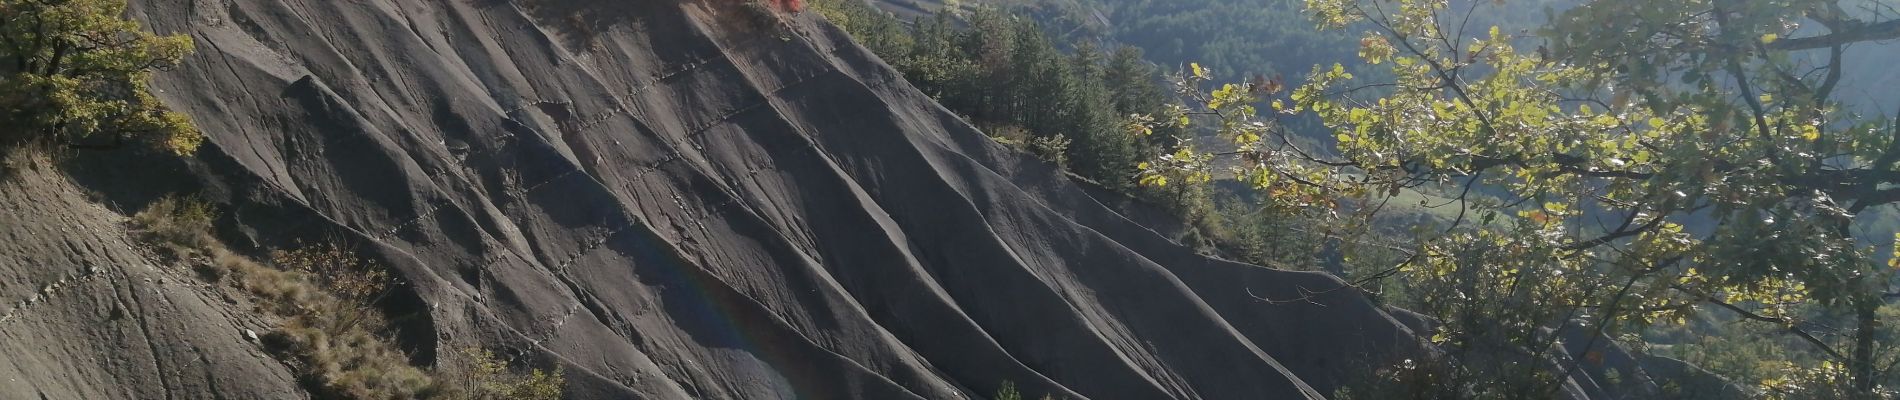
[[178, 224], [479, 375], [1009, 392]]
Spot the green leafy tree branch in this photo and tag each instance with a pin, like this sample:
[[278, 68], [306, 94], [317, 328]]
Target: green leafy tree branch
[[75, 73], [1648, 160]]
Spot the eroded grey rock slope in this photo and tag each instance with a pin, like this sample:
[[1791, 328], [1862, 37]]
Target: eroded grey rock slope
[[85, 313], [671, 200]]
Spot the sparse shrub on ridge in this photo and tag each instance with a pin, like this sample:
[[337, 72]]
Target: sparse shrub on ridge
[[1008, 391], [477, 374], [329, 329], [329, 337], [349, 278]]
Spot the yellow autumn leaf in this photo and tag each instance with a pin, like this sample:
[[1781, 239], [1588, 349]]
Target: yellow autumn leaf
[[1769, 38], [1245, 138]]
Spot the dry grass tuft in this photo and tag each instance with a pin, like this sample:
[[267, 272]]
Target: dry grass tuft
[[179, 225]]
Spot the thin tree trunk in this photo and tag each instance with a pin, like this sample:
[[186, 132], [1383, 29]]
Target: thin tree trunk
[[1862, 367]]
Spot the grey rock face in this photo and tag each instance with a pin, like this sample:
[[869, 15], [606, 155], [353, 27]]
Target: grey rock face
[[670, 199]]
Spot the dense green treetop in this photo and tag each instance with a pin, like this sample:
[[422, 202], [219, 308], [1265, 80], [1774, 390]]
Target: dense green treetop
[[74, 73]]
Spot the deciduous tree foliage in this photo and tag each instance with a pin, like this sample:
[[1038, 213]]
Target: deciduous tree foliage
[[1642, 160], [74, 72]]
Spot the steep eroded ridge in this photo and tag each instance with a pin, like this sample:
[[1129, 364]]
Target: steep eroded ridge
[[679, 199]]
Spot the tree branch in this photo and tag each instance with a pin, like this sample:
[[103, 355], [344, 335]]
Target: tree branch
[[1871, 32], [1621, 232], [1797, 331]]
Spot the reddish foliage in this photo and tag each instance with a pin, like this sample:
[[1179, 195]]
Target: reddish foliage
[[791, 5]]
